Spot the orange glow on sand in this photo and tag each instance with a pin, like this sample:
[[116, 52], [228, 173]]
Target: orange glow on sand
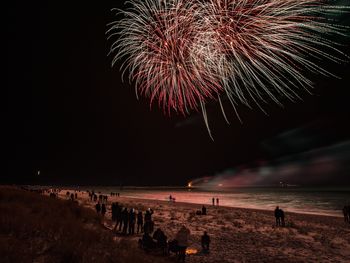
[[191, 251]]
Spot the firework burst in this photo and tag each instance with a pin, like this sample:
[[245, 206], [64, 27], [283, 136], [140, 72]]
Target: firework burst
[[184, 53], [268, 44], [163, 54]]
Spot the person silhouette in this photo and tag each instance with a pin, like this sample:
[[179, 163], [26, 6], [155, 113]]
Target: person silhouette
[[282, 217], [205, 241], [182, 242], [98, 207], [103, 209], [346, 212], [278, 216], [139, 222], [132, 218]]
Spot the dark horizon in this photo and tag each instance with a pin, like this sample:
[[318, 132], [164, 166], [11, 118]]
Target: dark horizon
[[70, 116]]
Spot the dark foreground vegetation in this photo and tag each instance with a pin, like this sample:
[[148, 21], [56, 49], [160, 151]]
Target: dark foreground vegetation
[[37, 228]]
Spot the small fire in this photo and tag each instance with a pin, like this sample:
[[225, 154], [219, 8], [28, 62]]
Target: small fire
[[189, 184], [191, 251]]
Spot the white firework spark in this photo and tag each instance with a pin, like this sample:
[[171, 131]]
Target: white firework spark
[[185, 53]]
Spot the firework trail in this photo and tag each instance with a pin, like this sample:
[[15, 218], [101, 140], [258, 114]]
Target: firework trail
[[184, 53], [268, 45]]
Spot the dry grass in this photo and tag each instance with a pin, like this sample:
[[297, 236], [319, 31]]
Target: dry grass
[[36, 228]]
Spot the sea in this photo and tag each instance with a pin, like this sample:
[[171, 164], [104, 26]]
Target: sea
[[320, 201]]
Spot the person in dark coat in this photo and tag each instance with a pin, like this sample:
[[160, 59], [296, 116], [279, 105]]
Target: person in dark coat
[[132, 218], [119, 217], [205, 241], [98, 207], [278, 216], [114, 212], [125, 220], [103, 210], [148, 226], [161, 239], [147, 242], [139, 222], [182, 238], [282, 217], [204, 210], [346, 212]]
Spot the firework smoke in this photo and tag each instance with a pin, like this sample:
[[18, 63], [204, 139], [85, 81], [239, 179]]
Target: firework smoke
[[184, 53]]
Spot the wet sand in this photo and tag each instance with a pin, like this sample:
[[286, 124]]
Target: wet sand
[[243, 235]]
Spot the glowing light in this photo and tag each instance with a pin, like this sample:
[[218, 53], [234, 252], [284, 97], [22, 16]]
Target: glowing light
[[189, 184], [191, 251], [185, 53]]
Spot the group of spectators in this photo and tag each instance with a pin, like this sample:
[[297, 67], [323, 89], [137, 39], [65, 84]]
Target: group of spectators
[[178, 245], [127, 219], [93, 197]]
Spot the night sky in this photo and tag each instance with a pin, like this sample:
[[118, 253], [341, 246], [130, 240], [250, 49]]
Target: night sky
[[70, 116]]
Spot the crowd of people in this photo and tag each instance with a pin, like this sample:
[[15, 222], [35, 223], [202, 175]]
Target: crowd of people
[[127, 219], [178, 245]]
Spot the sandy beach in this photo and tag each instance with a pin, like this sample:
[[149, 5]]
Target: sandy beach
[[242, 235]]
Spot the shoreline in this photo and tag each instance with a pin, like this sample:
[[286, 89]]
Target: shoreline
[[333, 210], [238, 207]]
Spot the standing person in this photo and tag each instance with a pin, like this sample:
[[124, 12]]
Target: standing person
[[213, 200], [125, 219], [278, 216], [132, 218], [217, 201], [139, 222], [98, 207], [148, 226], [114, 212], [282, 217], [103, 210], [119, 217], [204, 210], [205, 240], [346, 213], [182, 242]]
